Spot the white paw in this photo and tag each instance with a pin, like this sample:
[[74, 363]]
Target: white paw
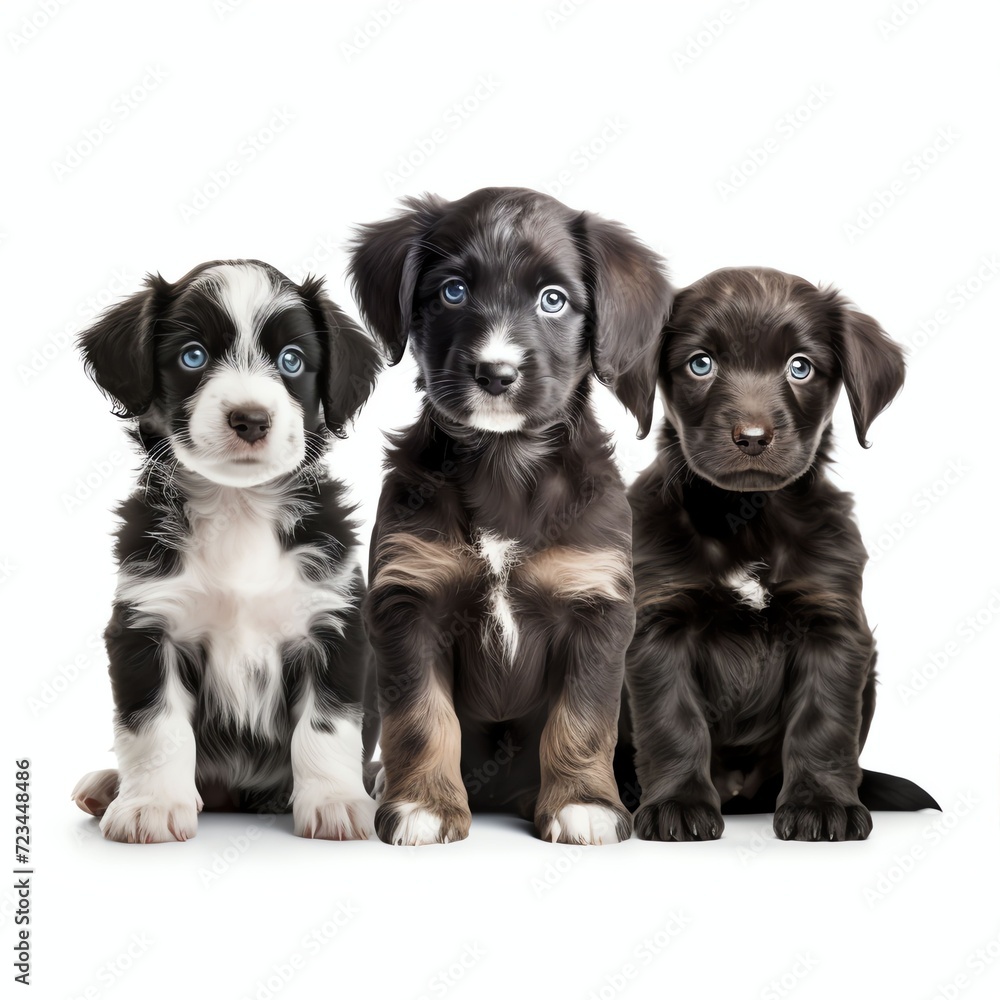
[[416, 825], [584, 824], [412, 824], [142, 820], [331, 818], [94, 791]]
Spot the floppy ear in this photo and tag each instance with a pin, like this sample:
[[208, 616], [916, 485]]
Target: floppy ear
[[118, 348], [630, 302], [351, 361], [871, 365], [670, 328], [384, 264]]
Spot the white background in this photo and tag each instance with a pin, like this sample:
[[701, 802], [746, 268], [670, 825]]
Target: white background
[[598, 98]]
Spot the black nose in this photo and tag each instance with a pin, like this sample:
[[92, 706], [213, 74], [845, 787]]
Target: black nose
[[251, 425], [495, 377], [752, 440]]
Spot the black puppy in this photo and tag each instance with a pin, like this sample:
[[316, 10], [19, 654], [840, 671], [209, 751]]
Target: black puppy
[[237, 654], [501, 589], [752, 657]]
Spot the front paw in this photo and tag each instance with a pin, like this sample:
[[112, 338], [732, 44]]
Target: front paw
[[412, 824], [677, 820], [822, 821], [141, 820], [585, 823], [331, 818]]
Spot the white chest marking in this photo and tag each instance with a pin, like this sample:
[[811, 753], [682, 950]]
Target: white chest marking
[[243, 597], [500, 555], [749, 590]]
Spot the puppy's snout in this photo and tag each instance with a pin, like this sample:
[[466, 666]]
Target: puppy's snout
[[496, 377], [250, 424], [752, 439]]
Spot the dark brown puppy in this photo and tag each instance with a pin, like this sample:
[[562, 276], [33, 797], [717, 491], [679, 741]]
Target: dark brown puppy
[[752, 656], [501, 591]]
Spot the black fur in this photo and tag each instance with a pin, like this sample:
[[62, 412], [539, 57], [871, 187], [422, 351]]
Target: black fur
[[761, 706], [531, 467]]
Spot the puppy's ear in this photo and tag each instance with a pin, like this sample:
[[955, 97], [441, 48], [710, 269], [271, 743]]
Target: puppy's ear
[[118, 348], [351, 360], [673, 325], [384, 265], [871, 365], [630, 302]]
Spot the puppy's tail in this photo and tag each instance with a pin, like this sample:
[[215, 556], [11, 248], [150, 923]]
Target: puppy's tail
[[879, 792], [889, 793]]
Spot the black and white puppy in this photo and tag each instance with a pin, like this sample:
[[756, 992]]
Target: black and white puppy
[[753, 665], [237, 653], [500, 601]]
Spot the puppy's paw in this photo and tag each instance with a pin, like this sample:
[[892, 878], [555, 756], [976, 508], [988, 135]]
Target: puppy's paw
[[822, 821], [333, 818], [585, 823], [672, 819], [144, 821], [411, 824], [95, 791]]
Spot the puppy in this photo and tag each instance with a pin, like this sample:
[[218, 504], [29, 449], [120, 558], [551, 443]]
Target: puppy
[[501, 589], [237, 653], [752, 657]]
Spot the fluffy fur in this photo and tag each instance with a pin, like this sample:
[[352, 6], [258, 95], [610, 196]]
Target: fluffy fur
[[751, 677], [237, 655], [501, 588]]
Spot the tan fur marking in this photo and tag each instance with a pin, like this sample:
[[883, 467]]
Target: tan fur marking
[[410, 561], [571, 573], [576, 762], [665, 592], [431, 775]]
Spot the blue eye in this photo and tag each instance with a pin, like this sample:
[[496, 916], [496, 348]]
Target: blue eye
[[291, 361], [194, 356], [454, 292], [700, 365], [552, 300], [800, 368]]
